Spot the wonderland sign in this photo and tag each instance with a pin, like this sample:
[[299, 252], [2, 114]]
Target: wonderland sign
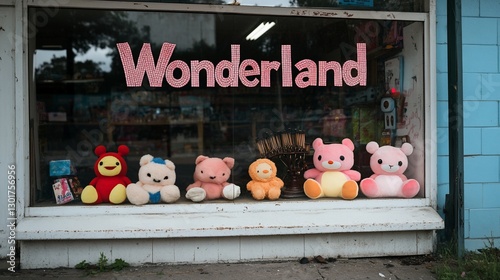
[[230, 73]]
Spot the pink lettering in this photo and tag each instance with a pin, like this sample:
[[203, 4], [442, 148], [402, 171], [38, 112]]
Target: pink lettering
[[324, 67], [360, 66], [231, 66], [308, 77], [228, 73], [266, 67], [244, 72], [196, 67], [286, 60], [145, 63], [219, 73], [185, 74]]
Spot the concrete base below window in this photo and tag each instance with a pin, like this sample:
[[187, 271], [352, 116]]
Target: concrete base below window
[[60, 253], [227, 231]]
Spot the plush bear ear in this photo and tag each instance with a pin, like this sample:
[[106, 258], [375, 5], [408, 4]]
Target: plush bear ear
[[372, 147], [99, 150], [123, 150], [200, 159], [229, 162], [145, 159], [347, 142], [317, 142], [170, 164], [407, 148]]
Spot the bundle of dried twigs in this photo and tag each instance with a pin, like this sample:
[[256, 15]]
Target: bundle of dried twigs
[[285, 142]]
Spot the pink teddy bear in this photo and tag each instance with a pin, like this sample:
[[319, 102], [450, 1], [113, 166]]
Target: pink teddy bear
[[332, 175], [210, 180], [389, 163]]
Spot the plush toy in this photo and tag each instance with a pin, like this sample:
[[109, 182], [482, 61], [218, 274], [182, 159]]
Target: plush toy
[[388, 165], [111, 181], [156, 182], [264, 182], [332, 175], [210, 180]]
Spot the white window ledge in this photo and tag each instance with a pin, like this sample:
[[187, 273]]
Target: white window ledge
[[224, 218]]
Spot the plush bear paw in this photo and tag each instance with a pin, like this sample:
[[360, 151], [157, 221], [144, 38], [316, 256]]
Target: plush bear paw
[[137, 195], [274, 193], [369, 187], [196, 194], [410, 188], [170, 194], [89, 195], [313, 189], [231, 191], [350, 190], [118, 194], [258, 193]]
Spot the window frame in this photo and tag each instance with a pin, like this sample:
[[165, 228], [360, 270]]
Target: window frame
[[28, 215]]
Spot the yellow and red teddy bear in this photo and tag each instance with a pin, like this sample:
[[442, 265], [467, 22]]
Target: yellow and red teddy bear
[[111, 179]]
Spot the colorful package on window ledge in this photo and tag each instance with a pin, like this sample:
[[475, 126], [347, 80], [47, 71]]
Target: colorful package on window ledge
[[76, 187], [62, 191], [59, 168]]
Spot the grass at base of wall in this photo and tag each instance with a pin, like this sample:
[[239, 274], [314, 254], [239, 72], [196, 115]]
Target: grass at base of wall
[[483, 264]]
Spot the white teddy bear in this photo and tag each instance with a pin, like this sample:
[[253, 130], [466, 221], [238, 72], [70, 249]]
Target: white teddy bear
[[156, 182]]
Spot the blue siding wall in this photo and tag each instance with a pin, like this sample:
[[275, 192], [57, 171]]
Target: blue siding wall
[[481, 94]]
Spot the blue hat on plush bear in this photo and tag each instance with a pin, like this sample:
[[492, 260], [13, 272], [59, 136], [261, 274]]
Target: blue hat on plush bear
[[158, 160]]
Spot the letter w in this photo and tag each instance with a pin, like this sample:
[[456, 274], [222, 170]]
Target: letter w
[[145, 63]]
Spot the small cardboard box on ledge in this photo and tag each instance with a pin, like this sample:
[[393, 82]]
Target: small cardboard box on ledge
[[62, 191], [58, 168]]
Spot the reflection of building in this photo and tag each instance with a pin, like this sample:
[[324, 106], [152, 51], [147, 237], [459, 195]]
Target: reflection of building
[[183, 29]]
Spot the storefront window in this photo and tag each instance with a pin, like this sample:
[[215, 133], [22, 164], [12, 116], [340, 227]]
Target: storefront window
[[327, 78]]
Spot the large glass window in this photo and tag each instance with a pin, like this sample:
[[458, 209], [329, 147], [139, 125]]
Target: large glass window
[[326, 78]]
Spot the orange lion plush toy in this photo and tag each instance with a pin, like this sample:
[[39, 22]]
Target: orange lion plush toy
[[110, 182], [265, 183]]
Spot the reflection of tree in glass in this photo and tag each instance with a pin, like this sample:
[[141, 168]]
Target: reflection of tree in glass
[[55, 69], [79, 30], [99, 29]]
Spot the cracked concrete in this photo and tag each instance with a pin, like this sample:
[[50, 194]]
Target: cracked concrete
[[418, 267]]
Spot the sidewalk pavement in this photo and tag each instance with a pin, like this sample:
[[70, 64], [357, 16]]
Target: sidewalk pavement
[[414, 268]]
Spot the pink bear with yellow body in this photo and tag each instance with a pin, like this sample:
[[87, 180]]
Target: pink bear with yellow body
[[332, 175], [388, 165]]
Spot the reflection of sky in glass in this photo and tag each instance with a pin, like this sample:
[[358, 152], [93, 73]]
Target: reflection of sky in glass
[[96, 55], [42, 56]]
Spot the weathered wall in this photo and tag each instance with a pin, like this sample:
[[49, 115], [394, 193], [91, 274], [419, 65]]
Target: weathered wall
[[481, 94], [7, 117]]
